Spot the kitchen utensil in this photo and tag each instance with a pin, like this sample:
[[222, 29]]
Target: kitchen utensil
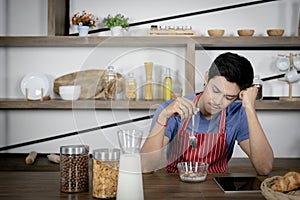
[[130, 181], [216, 32], [192, 139], [69, 92], [275, 32], [92, 83], [35, 86], [245, 32], [292, 76]]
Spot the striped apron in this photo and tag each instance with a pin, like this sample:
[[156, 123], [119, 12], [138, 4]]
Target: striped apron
[[211, 147]]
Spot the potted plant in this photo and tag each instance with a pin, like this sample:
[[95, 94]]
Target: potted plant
[[84, 21], [118, 22]]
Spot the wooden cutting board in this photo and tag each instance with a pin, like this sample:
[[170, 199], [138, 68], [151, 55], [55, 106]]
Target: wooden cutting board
[[92, 83]]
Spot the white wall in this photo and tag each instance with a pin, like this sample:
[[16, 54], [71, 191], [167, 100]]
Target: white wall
[[15, 62]]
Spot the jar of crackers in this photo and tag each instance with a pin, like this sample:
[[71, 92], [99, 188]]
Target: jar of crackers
[[105, 172]]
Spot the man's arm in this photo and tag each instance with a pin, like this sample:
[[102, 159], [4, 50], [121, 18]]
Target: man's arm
[[257, 146], [154, 148]]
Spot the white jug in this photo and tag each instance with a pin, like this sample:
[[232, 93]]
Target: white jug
[[130, 180]]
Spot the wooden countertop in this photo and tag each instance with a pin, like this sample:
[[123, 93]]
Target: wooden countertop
[[34, 183]]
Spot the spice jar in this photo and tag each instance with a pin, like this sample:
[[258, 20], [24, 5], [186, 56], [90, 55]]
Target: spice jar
[[131, 87], [259, 84], [153, 28], [105, 173], [74, 169]]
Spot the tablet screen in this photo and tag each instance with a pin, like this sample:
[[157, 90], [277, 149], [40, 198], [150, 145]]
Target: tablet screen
[[238, 184]]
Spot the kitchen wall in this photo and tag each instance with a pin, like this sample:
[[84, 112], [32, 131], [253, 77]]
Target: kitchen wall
[[30, 18]]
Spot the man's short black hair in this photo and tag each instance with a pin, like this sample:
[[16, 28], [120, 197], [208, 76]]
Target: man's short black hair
[[235, 68]]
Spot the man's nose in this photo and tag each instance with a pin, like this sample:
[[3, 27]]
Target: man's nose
[[218, 98]]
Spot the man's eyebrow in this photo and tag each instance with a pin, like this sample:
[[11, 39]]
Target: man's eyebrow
[[227, 95]]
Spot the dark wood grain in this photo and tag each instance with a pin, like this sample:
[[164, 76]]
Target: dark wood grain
[[38, 184], [58, 17]]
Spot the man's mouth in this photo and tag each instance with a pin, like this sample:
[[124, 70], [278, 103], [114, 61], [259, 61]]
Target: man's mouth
[[215, 106]]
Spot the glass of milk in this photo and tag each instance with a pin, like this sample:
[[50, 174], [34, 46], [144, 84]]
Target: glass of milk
[[130, 181]]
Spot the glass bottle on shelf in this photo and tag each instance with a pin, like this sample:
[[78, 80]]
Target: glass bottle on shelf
[[259, 84], [167, 86], [131, 87], [110, 83], [177, 86], [148, 87]]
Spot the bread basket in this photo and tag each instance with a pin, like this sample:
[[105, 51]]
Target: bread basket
[[270, 194]]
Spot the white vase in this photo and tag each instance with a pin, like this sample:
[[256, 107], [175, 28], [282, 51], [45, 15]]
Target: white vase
[[116, 31], [83, 30]]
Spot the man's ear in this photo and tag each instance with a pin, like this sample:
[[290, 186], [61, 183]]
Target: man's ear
[[206, 78]]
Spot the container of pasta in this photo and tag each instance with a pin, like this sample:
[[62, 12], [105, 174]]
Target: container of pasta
[[105, 172]]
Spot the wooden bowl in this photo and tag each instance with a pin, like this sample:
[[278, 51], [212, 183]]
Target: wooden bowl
[[245, 32], [216, 32], [275, 32]]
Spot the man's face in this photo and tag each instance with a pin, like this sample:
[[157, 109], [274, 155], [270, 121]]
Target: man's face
[[218, 94]]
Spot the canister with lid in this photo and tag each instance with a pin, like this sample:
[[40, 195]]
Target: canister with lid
[[131, 87], [259, 84], [110, 83], [74, 168], [105, 172]]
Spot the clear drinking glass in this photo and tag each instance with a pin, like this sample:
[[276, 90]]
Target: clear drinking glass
[[130, 181]]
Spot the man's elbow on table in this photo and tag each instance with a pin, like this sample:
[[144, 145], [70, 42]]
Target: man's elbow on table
[[264, 169], [152, 161]]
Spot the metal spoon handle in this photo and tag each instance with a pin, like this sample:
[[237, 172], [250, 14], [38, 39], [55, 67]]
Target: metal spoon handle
[[192, 139]]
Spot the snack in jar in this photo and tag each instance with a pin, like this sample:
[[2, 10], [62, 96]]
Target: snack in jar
[[74, 168], [105, 172]]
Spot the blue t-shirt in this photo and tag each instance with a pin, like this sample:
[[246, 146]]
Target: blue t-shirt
[[236, 124]]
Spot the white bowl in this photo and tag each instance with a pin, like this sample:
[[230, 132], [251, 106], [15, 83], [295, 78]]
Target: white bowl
[[69, 92]]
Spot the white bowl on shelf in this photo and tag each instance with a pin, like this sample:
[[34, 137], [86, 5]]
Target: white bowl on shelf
[[69, 92]]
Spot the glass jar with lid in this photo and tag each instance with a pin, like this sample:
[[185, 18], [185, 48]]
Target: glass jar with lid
[[74, 168], [105, 172], [259, 84], [131, 87], [110, 83]]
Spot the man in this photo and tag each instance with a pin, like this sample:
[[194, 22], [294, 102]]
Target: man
[[219, 121]]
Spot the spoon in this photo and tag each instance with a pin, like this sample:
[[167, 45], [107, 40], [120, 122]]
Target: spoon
[[192, 139]]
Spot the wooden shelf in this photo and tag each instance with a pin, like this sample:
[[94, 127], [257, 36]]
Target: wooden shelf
[[277, 105], [190, 43], [165, 41], [20, 104]]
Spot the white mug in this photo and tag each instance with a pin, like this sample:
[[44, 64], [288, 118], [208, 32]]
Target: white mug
[[297, 62], [292, 76], [283, 63]]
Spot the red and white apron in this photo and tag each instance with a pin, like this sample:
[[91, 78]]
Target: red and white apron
[[211, 147]]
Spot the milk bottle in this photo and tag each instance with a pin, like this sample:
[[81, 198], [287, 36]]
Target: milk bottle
[[130, 181]]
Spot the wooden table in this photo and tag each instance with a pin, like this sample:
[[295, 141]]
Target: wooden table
[[43, 184]]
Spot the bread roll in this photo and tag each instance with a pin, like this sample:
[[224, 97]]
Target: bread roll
[[53, 158], [290, 181], [29, 160]]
